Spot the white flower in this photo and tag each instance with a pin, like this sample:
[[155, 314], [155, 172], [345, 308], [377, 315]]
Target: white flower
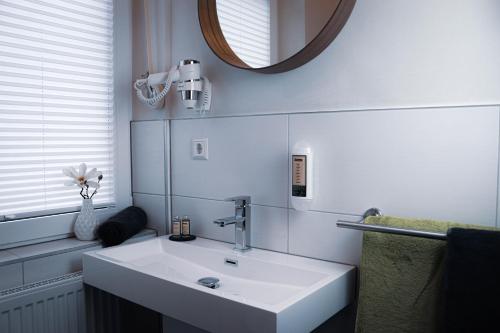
[[82, 178]]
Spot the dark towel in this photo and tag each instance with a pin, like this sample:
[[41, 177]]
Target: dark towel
[[122, 226], [472, 281]]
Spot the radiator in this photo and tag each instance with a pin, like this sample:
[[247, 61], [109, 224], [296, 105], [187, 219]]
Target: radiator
[[60, 305], [51, 306]]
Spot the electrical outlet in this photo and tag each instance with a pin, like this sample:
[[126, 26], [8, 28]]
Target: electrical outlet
[[199, 149]]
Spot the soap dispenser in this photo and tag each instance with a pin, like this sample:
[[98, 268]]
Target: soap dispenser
[[181, 230], [185, 226], [176, 226], [301, 182]]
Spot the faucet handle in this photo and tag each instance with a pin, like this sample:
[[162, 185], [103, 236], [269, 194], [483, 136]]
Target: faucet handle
[[240, 200]]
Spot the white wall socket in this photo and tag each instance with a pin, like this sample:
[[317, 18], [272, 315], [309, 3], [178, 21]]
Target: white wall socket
[[199, 149]]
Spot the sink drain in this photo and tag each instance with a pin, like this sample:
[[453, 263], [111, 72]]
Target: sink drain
[[209, 282]]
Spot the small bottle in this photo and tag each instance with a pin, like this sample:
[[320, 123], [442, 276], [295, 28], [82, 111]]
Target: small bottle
[[185, 226], [176, 226]]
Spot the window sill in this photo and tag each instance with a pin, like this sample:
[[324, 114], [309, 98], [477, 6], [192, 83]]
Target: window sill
[[29, 252], [35, 230]]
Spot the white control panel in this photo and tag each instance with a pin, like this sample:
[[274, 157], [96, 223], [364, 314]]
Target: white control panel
[[302, 177]]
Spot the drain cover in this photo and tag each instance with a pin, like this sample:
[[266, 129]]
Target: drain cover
[[209, 282]]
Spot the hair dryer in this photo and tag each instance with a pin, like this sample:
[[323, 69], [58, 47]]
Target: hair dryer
[[195, 90]]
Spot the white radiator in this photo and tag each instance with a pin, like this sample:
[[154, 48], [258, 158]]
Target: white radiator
[[52, 306]]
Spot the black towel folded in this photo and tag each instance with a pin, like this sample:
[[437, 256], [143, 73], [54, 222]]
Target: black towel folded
[[472, 281], [122, 226]]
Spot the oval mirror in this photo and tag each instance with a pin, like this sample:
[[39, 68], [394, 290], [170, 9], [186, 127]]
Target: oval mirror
[[271, 36]]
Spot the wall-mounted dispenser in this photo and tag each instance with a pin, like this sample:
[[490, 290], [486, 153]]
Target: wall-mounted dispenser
[[302, 177]]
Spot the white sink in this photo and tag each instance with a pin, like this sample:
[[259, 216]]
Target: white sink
[[264, 292]]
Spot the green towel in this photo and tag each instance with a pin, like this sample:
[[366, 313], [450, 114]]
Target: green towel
[[401, 279]]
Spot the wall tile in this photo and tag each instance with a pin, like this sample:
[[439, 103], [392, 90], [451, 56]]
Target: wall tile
[[429, 163], [316, 235], [51, 247], [247, 156], [155, 208], [268, 224], [148, 157], [6, 257], [52, 266], [270, 228], [11, 276]]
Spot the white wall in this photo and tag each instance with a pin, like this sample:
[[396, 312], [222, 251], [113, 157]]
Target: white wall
[[390, 54], [161, 46], [391, 109], [401, 63]]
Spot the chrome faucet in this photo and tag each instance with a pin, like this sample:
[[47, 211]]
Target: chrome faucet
[[241, 221]]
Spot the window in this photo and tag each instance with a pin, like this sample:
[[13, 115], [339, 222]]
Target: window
[[56, 102], [246, 25]]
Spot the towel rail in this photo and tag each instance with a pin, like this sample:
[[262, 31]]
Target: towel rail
[[360, 225]]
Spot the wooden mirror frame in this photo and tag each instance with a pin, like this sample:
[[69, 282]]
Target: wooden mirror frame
[[209, 23]]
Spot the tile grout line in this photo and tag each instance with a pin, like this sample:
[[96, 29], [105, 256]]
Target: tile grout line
[[153, 194], [168, 179], [322, 111], [221, 200], [269, 206], [498, 170], [288, 185]]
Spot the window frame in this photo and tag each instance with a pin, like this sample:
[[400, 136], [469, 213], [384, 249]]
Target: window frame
[[31, 230]]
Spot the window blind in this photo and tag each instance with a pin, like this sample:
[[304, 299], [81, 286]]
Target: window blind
[[246, 25], [56, 102]]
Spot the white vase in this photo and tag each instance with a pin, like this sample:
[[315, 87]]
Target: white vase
[[86, 222]]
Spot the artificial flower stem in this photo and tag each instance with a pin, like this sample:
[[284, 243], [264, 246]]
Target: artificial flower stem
[[95, 191]]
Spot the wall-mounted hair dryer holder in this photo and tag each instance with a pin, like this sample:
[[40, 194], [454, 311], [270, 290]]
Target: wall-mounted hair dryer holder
[[195, 90]]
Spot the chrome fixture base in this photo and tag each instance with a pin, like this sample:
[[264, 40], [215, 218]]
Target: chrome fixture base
[[241, 221]]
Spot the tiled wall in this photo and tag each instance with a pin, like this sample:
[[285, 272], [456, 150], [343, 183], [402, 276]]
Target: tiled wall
[[150, 171], [439, 163]]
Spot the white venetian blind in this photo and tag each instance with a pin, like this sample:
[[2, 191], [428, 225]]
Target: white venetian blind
[[56, 102], [246, 25]]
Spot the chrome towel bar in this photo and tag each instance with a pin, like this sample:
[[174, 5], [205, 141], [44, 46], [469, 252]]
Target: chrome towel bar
[[360, 225]]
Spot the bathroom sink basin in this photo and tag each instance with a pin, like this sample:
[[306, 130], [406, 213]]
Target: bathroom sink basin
[[257, 291]]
